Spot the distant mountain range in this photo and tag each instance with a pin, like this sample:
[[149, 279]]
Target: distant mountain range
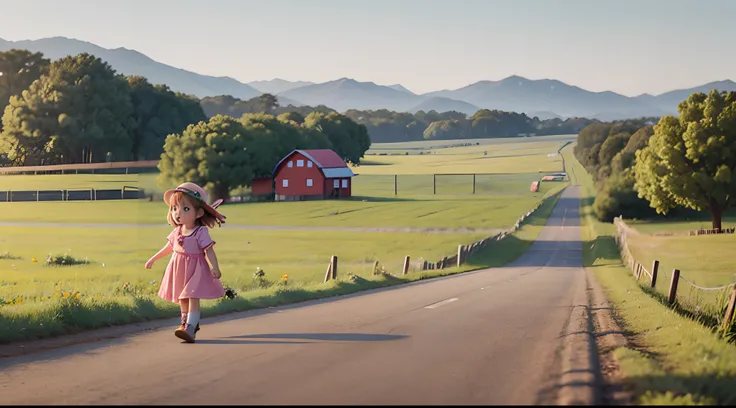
[[544, 98]]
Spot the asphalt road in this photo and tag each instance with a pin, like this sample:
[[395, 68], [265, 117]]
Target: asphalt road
[[486, 337]]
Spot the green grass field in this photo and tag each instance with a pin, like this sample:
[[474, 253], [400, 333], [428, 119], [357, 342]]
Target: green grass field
[[682, 226], [439, 144], [444, 212], [671, 360], [705, 260], [115, 288]]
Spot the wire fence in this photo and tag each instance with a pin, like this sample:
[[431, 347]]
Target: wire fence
[[88, 194], [445, 184], [712, 306], [409, 264]]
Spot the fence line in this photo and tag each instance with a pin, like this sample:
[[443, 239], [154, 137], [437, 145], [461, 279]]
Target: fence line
[[711, 231], [457, 259], [69, 168], [421, 264], [622, 233], [90, 194]]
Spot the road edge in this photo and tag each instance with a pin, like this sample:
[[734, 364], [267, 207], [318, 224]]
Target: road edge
[[609, 337], [580, 378]]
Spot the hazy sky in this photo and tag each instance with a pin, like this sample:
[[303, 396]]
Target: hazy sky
[[630, 47]]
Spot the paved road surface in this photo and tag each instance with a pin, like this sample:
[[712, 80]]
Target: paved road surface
[[487, 337]]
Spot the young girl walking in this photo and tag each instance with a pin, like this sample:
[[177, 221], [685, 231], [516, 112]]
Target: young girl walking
[[188, 277]]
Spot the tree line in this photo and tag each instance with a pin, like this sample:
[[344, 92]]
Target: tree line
[[385, 126], [676, 166], [77, 109]]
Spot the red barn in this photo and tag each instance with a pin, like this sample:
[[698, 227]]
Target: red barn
[[312, 174]]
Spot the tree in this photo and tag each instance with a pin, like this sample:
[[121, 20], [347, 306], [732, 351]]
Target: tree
[[690, 160], [76, 113], [158, 112], [267, 103], [350, 140], [609, 149], [212, 154], [18, 70], [269, 140], [446, 129]]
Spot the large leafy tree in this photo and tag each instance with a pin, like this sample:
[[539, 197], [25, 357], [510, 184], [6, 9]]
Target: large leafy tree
[[212, 154], [158, 112], [77, 113], [269, 139], [690, 160], [350, 140]]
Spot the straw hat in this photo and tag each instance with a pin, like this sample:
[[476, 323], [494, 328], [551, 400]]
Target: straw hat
[[198, 193]]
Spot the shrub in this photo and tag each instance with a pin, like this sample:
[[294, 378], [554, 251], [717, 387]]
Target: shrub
[[65, 260], [7, 255]]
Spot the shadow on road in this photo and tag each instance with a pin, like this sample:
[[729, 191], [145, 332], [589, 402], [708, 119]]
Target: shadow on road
[[326, 336], [245, 342]]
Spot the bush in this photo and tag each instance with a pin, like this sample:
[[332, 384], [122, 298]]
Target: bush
[[65, 260], [7, 255]]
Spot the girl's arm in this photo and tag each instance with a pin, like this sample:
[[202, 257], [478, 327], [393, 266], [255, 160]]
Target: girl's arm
[[167, 250], [215, 267]]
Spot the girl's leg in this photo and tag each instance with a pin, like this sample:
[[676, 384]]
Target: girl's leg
[[184, 307], [193, 316], [189, 328]]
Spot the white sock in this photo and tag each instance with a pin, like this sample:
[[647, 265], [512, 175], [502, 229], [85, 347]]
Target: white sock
[[193, 318]]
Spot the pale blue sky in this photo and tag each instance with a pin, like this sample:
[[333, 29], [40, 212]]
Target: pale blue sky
[[630, 47]]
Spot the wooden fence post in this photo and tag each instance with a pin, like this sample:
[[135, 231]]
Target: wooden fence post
[[637, 270], [333, 266], [405, 270], [729, 311], [396, 184], [459, 255], [673, 286], [328, 273], [375, 267], [655, 269]]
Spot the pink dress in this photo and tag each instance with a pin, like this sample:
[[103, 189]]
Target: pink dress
[[188, 273]]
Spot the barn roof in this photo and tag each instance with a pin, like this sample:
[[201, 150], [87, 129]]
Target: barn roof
[[322, 158]]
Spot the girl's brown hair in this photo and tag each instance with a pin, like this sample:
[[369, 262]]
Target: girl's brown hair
[[207, 219]]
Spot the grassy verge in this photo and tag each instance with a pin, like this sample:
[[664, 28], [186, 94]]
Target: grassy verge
[[60, 308], [671, 360]]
